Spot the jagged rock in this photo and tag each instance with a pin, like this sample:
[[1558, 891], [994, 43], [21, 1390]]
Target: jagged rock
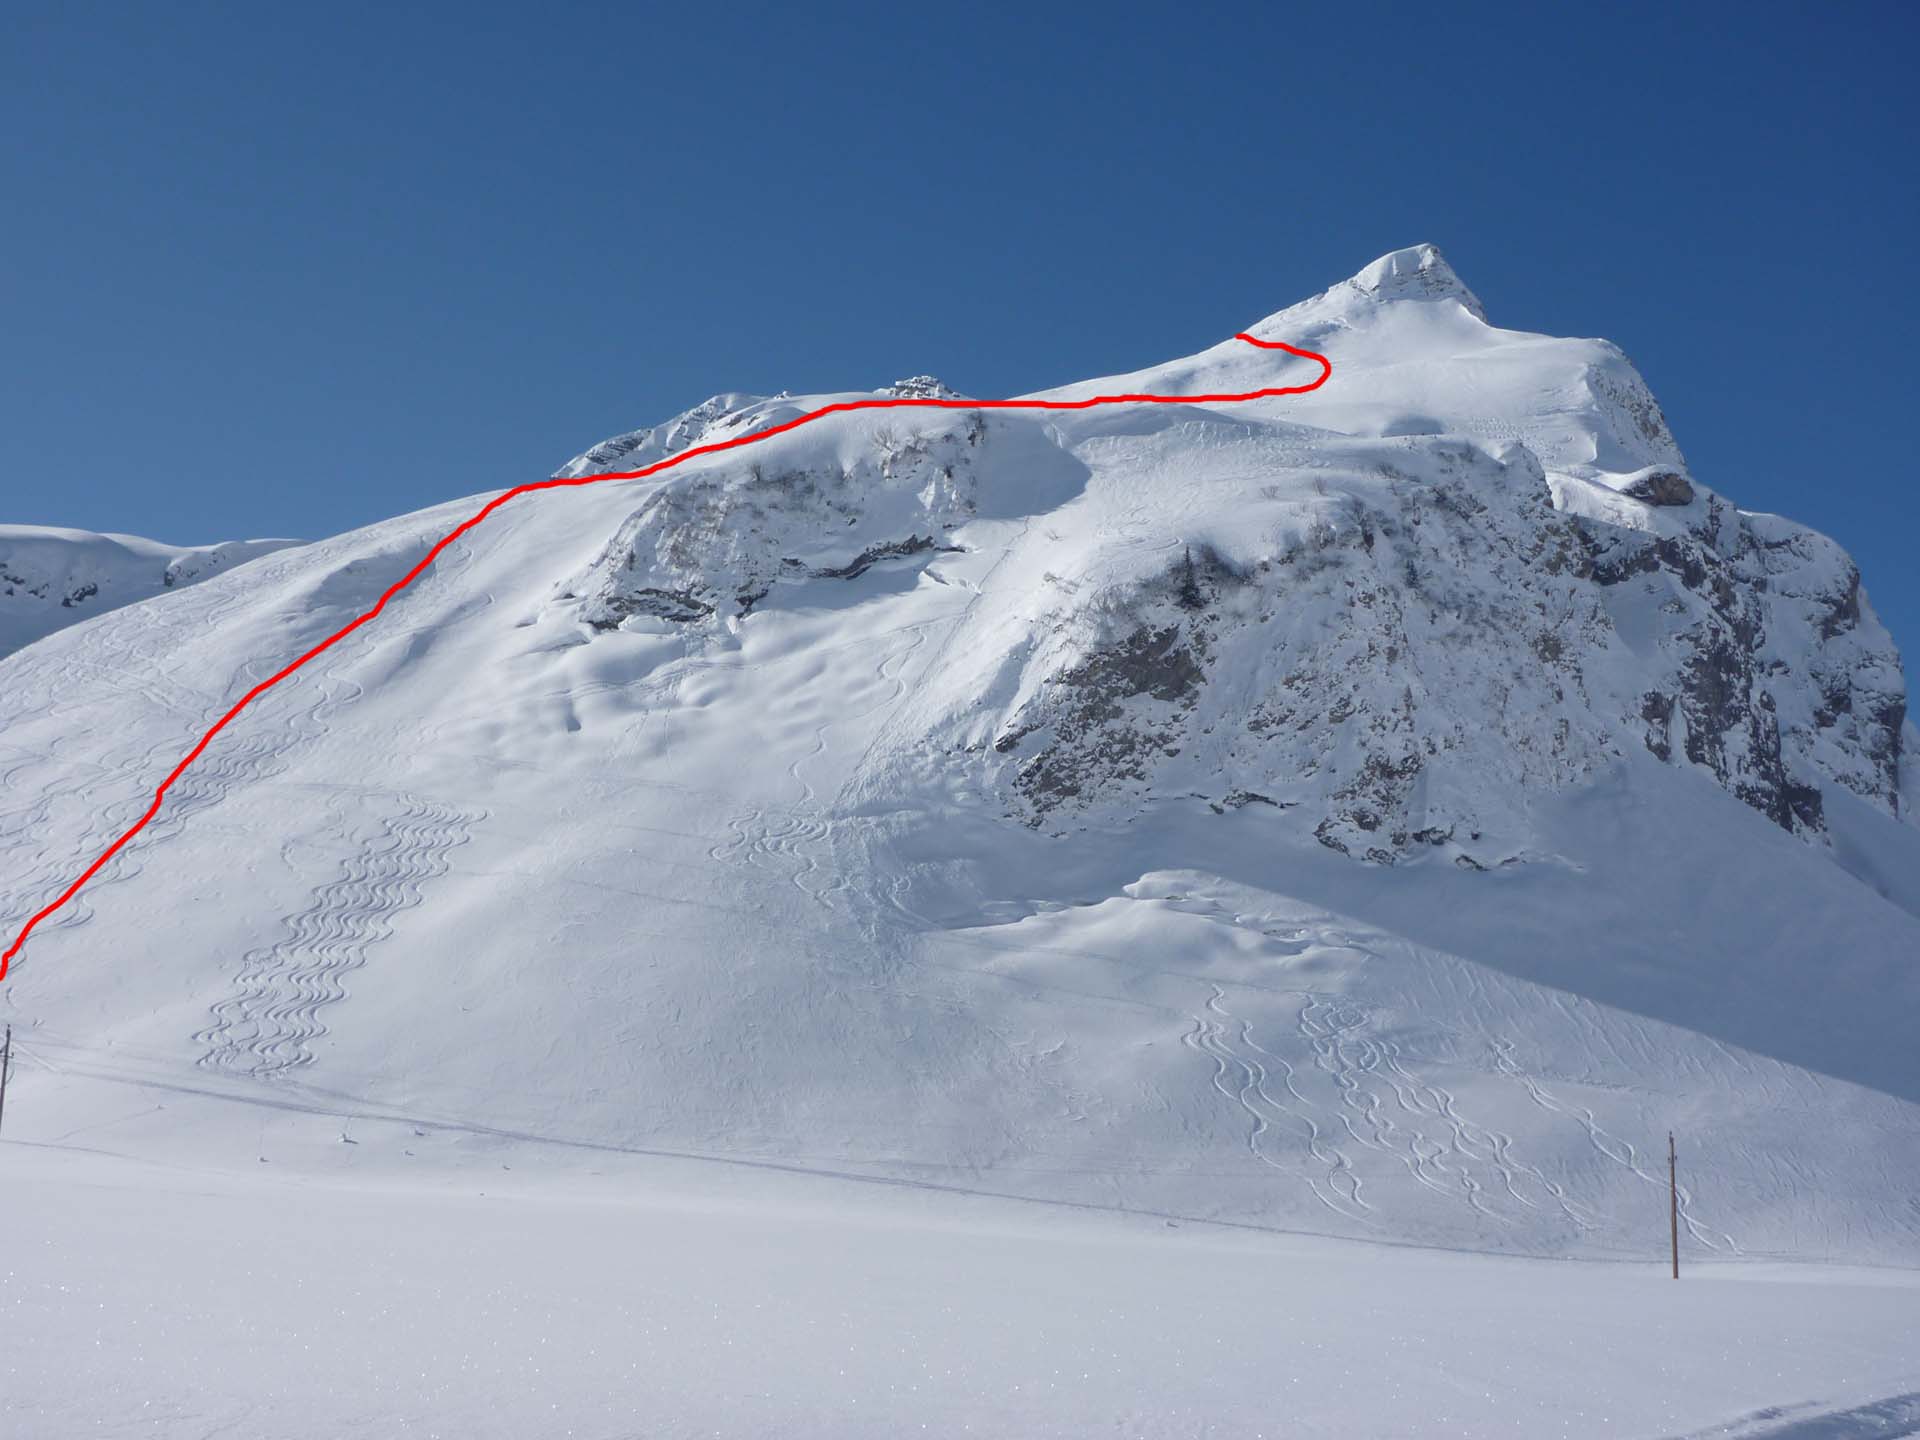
[[922, 387], [1660, 487], [720, 539]]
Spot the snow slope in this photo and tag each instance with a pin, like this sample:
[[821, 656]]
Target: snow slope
[[1378, 814], [51, 578]]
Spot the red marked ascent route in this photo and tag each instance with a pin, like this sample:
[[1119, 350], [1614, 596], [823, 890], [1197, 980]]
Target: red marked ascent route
[[750, 438]]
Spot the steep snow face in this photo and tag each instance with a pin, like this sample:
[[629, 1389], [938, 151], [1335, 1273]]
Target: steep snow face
[[51, 578], [1382, 811]]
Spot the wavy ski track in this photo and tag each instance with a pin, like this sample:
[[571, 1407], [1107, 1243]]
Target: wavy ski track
[[1243, 1080], [270, 1022], [278, 728], [1382, 1105], [254, 756], [1619, 1151], [1397, 1109], [1379, 1101], [480, 517], [261, 750]]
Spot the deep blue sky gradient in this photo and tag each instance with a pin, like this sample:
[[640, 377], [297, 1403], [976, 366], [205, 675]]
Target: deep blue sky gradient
[[288, 269]]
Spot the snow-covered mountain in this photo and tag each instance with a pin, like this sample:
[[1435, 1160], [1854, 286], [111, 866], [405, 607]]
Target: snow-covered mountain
[[1426, 624], [51, 578], [1384, 811]]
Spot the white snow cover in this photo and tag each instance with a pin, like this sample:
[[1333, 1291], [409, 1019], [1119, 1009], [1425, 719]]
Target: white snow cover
[[1379, 815], [51, 578]]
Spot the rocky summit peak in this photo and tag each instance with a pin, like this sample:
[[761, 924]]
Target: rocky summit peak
[[922, 387], [1419, 272]]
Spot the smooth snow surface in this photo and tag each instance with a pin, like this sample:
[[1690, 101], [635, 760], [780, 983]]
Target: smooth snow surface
[[1169, 920], [674, 1299]]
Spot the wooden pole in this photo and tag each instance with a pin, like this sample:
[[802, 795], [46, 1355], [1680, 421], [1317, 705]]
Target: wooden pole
[[1673, 1202], [6, 1064]]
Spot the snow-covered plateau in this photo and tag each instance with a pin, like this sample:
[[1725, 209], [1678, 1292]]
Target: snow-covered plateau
[[1156, 920]]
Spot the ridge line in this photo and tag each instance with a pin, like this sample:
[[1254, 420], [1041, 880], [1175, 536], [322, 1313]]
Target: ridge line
[[603, 477]]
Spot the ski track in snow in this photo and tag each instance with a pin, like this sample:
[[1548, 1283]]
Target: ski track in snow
[[260, 751], [1615, 1149], [282, 724], [1382, 1105], [253, 756], [789, 840], [1340, 1190], [271, 1021]]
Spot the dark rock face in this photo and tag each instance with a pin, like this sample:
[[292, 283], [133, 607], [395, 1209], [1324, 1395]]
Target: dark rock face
[[1842, 610], [1661, 487], [1108, 719], [871, 556], [19, 585], [1657, 711], [678, 605], [1768, 659], [1468, 647], [1354, 674]]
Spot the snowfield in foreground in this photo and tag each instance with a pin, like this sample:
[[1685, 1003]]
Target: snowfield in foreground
[[624, 1297], [1163, 920]]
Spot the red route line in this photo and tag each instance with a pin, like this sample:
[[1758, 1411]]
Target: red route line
[[750, 438]]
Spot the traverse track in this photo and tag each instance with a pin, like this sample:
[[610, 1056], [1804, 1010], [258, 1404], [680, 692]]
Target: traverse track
[[292, 667]]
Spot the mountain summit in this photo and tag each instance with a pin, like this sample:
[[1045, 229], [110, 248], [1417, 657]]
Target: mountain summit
[[1497, 580], [1420, 272], [1381, 810]]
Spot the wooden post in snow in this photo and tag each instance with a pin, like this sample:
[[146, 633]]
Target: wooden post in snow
[[6, 1064], [1673, 1202]]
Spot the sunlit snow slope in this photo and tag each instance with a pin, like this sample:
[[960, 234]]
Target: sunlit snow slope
[[52, 578], [1385, 812]]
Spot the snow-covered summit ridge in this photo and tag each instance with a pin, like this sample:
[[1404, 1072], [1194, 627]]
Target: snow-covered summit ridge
[[1419, 272]]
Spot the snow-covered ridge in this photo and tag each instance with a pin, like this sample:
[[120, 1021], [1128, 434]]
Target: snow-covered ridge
[[1486, 574], [1419, 272], [51, 578]]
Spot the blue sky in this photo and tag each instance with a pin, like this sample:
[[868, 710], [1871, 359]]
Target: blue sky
[[288, 269]]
